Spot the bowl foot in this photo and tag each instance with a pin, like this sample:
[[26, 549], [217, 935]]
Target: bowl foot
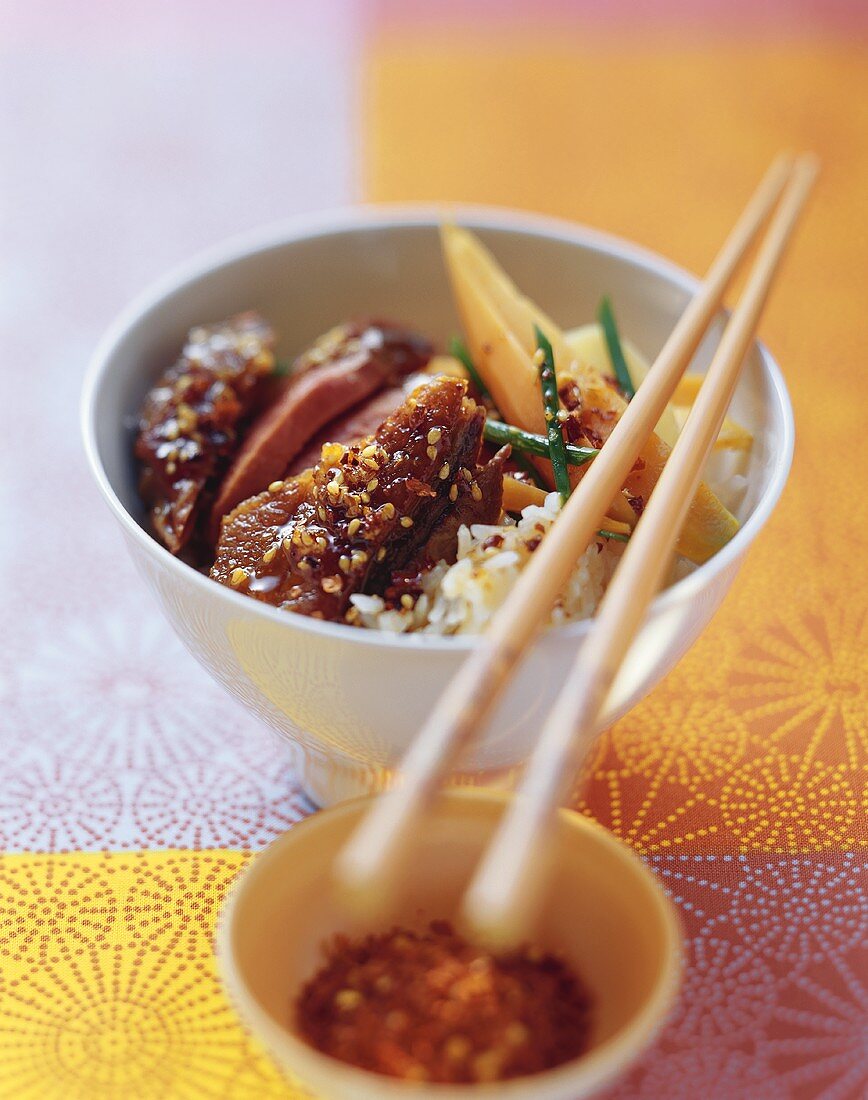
[[331, 778]]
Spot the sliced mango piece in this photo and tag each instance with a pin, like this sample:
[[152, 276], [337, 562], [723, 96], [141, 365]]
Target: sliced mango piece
[[445, 364], [498, 322], [732, 437], [588, 344], [521, 494]]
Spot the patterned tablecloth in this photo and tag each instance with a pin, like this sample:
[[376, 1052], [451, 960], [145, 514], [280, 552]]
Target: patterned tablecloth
[[132, 789]]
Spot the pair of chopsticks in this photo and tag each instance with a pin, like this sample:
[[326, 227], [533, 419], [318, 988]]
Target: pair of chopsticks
[[504, 890]]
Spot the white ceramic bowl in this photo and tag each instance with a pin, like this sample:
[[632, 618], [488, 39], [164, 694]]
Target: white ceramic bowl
[[353, 699], [605, 914]]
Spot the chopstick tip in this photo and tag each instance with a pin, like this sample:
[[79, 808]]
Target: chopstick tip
[[809, 164]]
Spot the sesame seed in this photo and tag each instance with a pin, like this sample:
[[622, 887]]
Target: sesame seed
[[486, 1066], [388, 510], [516, 1034], [344, 563], [406, 521], [563, 416], [444, 471], [407, 601], [186, 417], [333, 489], [432, 452], [359, 557], [321, 512], [287, 544], [275, 486], [332, 585], [381, 553], [434, 435], [269, 554], [347, 999], [539, 357], [456, 1048], [372, 484], [365, 498], [466, 474], [475, 491], [353, 526], [369, 451], [453, 492], [239, 576]]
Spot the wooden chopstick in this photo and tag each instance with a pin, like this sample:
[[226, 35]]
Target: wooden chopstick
[[504, 890], [375, 852]]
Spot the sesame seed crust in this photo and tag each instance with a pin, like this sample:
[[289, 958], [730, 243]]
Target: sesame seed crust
[[343, 530]]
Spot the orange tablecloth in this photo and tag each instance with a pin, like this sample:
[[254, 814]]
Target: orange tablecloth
[[756, 741], [741, 778]]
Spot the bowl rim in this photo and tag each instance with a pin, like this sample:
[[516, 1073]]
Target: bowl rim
[[590, 1071], [277, 235]]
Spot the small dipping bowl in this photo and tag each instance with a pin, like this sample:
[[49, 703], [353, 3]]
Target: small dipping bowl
[[605, 915]]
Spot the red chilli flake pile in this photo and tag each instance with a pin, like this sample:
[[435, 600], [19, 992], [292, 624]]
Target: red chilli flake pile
[[432, 1007]]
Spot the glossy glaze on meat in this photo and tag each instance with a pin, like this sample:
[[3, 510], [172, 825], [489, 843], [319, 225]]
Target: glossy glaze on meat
[[343, 368], [366, 510], [189, 424], [484, 505]]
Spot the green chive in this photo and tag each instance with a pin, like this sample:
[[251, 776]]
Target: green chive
[[551, 406], [615, 535], [281, 369], [530, 443], [616, 353], [458, 349]]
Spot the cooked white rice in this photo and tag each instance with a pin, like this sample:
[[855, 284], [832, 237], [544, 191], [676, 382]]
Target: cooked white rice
[[461, 598]]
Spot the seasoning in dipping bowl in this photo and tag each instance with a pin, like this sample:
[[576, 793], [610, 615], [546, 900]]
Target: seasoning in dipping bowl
[[430, 1006]]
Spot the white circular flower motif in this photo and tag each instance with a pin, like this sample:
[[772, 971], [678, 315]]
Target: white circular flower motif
[[798, 911], [712, 1071], [728, 994], [818, 1043], [207, 804], [119, 689], [58, 806]]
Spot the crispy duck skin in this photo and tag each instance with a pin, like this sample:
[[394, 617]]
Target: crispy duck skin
[[189, 423], [364, 511], [344, 367]]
